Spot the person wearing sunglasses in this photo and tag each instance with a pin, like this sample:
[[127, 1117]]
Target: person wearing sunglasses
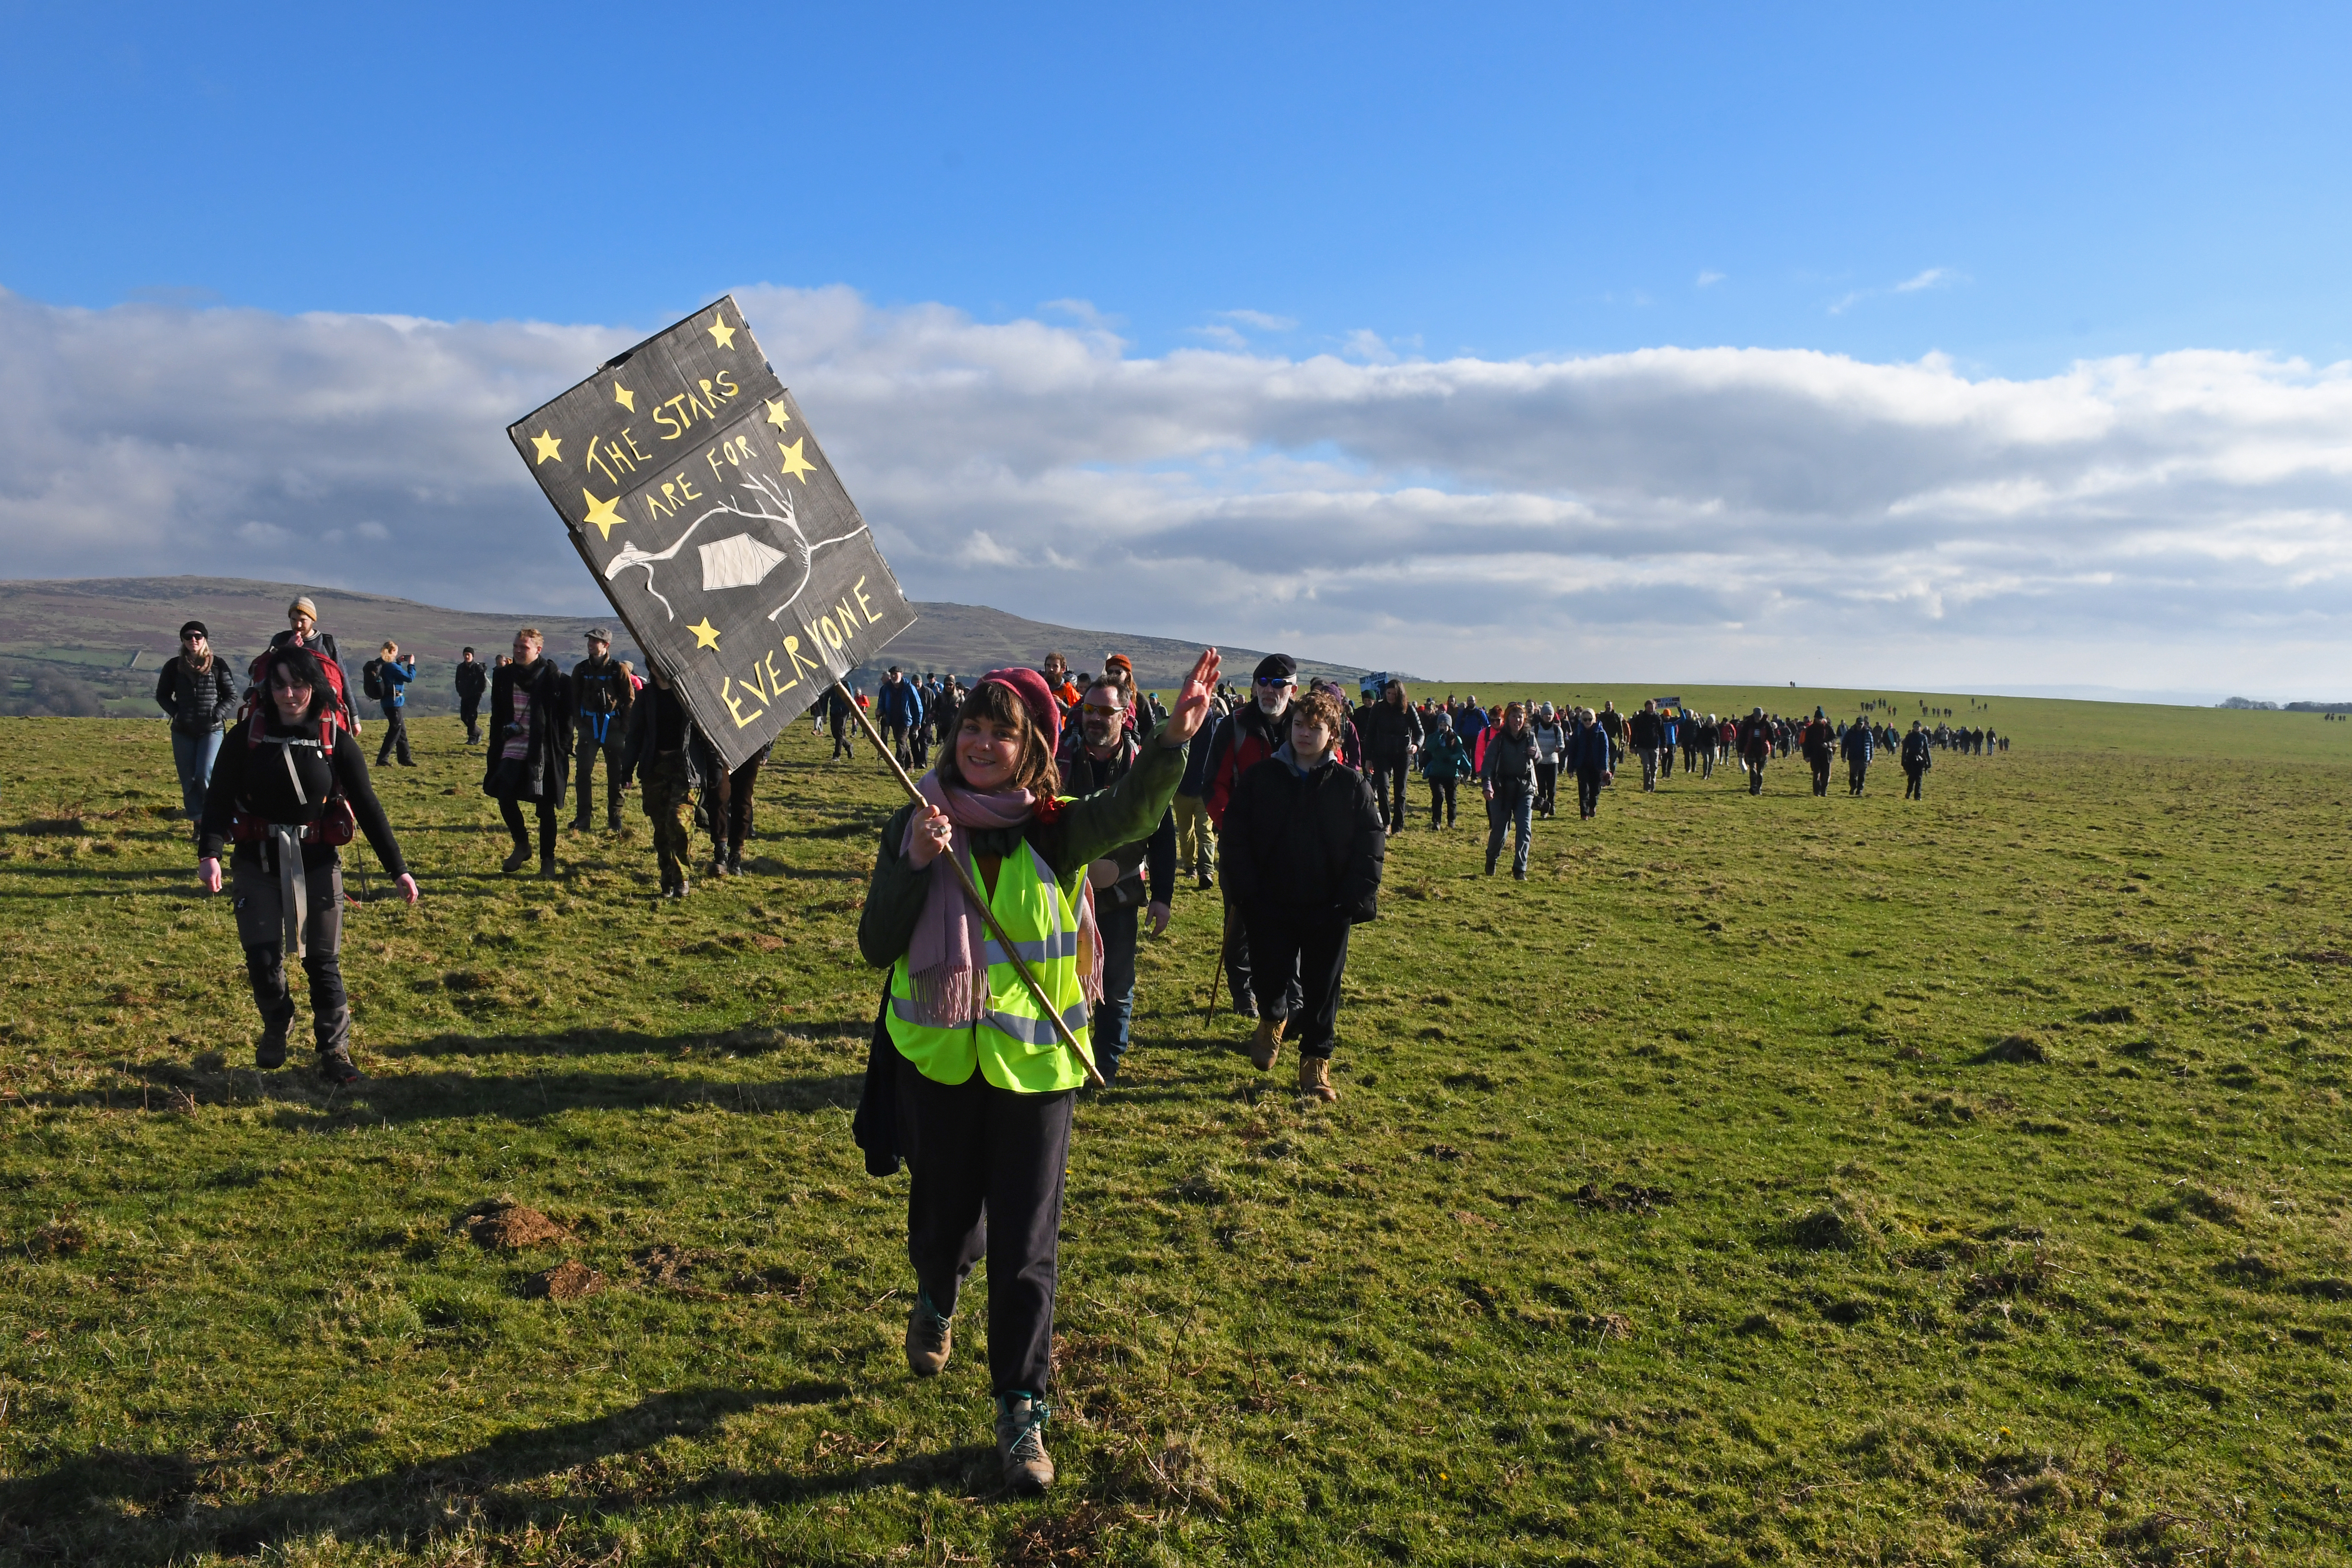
[[1096, 754], [1255, 732]]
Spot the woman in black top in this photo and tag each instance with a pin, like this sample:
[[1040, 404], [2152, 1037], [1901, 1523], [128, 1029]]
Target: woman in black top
[[197, 689], [290, 786], [530, 747]]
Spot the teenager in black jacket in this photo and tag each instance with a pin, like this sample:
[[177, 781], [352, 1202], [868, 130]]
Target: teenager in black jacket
[[280, 789], [1302, 846]]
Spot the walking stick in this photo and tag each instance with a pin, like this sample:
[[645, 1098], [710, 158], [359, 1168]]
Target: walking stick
[[1224, 946], [963, 875]]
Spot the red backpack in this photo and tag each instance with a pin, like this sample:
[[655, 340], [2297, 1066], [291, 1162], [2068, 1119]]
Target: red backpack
[[338, 823]]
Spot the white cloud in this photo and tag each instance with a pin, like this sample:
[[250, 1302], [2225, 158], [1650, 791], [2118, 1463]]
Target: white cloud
[[1259, 320], [1933, 278], [1217, 333], [1709, 279], [2172, 520]]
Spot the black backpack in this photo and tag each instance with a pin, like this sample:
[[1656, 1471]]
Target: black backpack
[[370, 682]]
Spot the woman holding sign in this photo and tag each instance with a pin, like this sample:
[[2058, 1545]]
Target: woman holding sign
[[983, 1079]]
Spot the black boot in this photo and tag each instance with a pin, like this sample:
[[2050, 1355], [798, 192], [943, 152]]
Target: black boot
[[717, 860], [333, 1032], [519, 858], [271, 1050], [547, 860], [734, 859]]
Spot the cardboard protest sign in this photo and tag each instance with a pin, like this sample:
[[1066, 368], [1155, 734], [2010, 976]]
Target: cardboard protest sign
[[693, 490]]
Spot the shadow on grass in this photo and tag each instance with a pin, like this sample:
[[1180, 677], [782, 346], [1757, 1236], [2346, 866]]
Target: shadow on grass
[[112, 1506], [300, 1095]]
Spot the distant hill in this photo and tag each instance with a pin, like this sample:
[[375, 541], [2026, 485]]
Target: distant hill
[[94, 644]]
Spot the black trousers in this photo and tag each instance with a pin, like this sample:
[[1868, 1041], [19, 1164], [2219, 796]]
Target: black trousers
[[1315, 952], [1241, 969], [1441, 792], [469, 709], [841, 747], [1389, 787], [1756, 775], [511, 809], [1588, 791], [395, 734], [1911, 787], [985, 1159], [1820, 774], [1546, 788], [1855, 769], [261, 930], [731, 806]]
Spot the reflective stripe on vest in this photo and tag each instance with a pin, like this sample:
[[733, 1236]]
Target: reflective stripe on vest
[[1013, 1044]]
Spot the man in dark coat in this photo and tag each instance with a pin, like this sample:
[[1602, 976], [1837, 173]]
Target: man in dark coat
[[1755, 748], [1858, 749], [473, 679], [1916, 759], [669, 760], [1820, 747], [1646, 733], [1250, 734], [1302, 847], [1391, 732], [530, 747]]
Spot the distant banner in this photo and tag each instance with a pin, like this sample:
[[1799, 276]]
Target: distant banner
[[695, 493]]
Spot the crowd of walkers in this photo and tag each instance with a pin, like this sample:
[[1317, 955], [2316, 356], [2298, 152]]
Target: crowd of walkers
[[1052, 817]]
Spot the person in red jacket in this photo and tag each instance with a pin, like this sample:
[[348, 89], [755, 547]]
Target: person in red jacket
[[1251, 733]]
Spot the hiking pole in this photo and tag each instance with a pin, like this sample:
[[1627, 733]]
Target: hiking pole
[[1224, 950], [963, 875]]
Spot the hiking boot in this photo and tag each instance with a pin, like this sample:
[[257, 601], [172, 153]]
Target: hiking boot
[[931, 1338], [683, 888], [1244, 1005], [519, 859], [735, 859], [717, 863], [269, 1051], [1021, 1419], [1207, 881], [581, 823], [547, 861], [1268, 1045], [336, 1068], [612, 820], [1518, 876], [1315, 1080]]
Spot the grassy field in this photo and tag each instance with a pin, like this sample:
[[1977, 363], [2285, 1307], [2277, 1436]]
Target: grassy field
[[1778, 1180]]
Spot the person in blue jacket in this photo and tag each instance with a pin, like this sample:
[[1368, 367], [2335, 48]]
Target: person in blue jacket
[[1445, 763], [1468, 723], [1858, 751], [901, 706], [392, 674]]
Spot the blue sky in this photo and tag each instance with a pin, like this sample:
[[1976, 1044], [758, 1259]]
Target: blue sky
[[1879, 345], [1499, 180]]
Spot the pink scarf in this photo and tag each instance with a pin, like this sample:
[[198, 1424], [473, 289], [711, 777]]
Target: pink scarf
[[944, 960]]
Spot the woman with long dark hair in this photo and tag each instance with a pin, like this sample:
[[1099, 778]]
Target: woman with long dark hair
[[195, 689], [982, 1081], [289, 788]]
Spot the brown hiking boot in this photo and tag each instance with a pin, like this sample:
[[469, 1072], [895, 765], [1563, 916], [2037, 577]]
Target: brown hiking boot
[[930, 1338], [1267, 1046], [1021, 1441], [1315, 1080]]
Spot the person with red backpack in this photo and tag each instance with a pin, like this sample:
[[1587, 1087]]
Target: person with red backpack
[[302, 631], [289, 789]]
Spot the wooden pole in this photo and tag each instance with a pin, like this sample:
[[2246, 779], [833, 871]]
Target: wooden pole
[[972, 889]]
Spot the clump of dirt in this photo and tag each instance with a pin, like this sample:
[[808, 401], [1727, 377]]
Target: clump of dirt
[[502, 1222], [667, 1265], [567, 1282], [62, 1236], [2019, 1048]]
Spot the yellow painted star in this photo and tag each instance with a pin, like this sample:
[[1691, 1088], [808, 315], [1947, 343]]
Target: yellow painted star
[[624, 398], [795, 464], [548, 444], [704, 635], [605, 514], [776, 414], [720, 332]]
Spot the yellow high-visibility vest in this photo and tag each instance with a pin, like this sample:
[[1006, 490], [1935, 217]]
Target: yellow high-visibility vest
[[1013, 1042]]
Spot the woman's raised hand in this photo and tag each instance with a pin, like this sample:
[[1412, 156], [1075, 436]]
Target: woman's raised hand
[[932, 835], [1192, 707]]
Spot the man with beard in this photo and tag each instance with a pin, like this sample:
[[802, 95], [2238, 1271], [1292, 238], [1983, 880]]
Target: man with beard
[[1251, 733], [1094, 755], [1820, 743], [603, 691], [1390, 733], [530, 747]]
